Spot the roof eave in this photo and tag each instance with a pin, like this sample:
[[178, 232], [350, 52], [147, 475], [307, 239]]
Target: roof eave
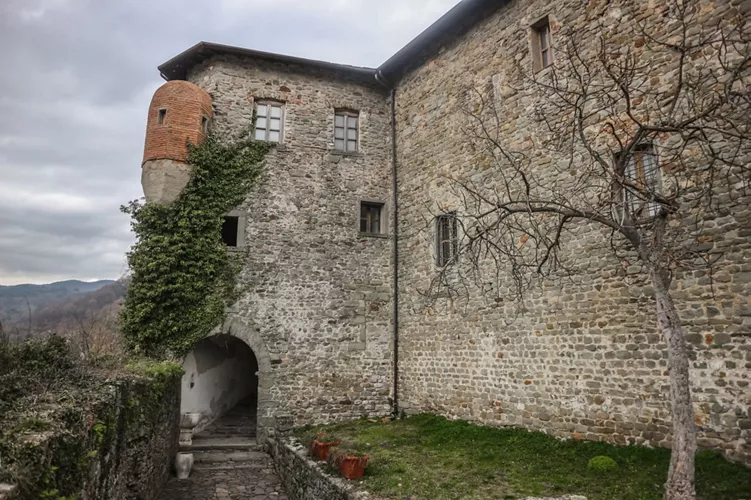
[[455, 23], [177, 67]]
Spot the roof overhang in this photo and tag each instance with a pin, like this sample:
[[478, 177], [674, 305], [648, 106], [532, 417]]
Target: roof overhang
[[455, 23], [177, 67]]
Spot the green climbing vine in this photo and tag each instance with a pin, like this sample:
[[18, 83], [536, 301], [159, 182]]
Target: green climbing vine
[[183, 277]]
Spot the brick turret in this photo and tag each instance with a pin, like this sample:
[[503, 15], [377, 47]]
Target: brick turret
[[179, 112]]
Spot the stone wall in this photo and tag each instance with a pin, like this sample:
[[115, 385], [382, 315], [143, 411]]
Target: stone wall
[[585, 360], [303, 478], [140, 440], [318, 313], [118, 440]]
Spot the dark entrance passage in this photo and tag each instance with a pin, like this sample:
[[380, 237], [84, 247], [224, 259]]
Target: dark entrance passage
[[221, 383], [240, 421]]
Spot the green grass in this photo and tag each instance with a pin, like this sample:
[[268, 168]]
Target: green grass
[[429, 457]]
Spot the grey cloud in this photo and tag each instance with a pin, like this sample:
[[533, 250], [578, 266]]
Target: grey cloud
[[76, 79]]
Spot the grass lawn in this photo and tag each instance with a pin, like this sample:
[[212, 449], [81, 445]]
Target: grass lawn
[[429, 457]]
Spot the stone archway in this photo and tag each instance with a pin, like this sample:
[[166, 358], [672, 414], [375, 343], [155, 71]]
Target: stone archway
[[220, 377], [235, 327], [227, 373]]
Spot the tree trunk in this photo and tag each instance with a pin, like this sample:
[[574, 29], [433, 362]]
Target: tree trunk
[[680, 482]]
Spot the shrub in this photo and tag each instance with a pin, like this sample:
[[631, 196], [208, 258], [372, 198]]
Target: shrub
[[601, 463]]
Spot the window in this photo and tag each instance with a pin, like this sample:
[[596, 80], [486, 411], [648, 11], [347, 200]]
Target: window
[[446, 238], [542, 41], [370, 218], [161, 115], [346, 130], [269, 122], [643, 170], [205, 124], [230, 230]]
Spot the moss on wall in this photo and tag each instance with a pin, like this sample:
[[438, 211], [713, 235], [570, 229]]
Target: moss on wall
[[71, 430]]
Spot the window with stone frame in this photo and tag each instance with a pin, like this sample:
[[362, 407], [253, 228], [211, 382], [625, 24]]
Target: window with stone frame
[[371, 218], [346, 130], [446, 238], [269, 121], [643, 169], [542, 44]]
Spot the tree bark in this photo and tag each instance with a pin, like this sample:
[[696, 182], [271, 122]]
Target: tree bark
[[680, 482]]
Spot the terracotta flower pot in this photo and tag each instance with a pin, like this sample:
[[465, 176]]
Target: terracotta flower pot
[[321, 448], [352, 467]]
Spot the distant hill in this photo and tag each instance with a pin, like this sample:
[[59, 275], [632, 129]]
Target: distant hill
[[51, 304], [71, 313]]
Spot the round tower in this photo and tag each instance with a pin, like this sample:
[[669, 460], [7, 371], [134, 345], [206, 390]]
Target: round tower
[[179, 112]]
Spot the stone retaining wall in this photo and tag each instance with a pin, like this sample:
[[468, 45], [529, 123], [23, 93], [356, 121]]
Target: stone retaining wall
[[305, 479], [138, 461], [123, 448]]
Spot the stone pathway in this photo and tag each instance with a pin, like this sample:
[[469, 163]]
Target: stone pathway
[[229, 464], [251, 481]]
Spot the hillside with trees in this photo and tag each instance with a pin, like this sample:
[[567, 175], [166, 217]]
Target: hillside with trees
[[86, 312]]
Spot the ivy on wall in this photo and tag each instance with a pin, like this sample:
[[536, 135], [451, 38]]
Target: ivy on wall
[[183, 277]]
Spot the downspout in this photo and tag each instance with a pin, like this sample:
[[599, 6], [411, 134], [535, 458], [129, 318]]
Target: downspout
[[379, 77]]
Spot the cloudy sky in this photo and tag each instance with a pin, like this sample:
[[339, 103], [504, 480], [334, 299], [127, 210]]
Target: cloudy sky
[[75, 83]]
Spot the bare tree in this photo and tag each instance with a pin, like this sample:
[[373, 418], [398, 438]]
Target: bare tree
[[647, 156], [94, 333]]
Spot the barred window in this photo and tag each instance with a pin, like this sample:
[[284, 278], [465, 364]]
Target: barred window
[[643, 169], [446, 231], [269, 121], [346, 130]]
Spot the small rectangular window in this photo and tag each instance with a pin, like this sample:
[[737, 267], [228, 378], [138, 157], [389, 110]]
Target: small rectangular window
[[371, 217], [643, 169], [446, 231], [269, 121], [230, 229], [542, 44], [205, 124], [346, 130], [161, 116]]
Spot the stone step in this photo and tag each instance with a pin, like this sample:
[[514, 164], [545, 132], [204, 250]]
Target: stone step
[[223, 443], [251, 467], [230, 457]]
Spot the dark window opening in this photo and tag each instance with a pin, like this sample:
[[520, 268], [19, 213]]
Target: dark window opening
[[229, 230], [161, 116], [204, 124], [370, 217], [446, 238]]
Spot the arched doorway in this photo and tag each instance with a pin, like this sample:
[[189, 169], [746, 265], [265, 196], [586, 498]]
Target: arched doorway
[[221, 382]]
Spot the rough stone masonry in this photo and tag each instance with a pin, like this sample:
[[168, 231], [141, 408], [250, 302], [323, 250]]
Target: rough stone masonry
[[586, 360]]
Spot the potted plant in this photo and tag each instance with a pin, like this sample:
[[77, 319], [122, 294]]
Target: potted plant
[[350, 459], [322, 443]]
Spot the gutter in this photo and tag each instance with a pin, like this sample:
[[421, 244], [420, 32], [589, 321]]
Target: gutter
[[380, 79]]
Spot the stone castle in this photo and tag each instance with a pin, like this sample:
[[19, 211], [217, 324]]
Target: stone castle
[[338, 251]]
